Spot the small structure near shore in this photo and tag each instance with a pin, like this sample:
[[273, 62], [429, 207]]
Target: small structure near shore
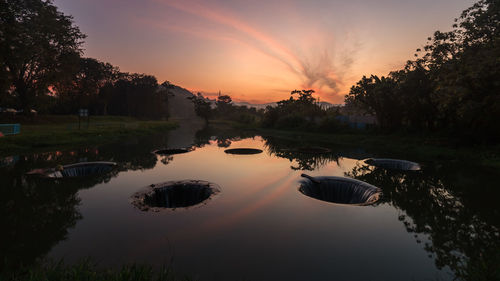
[[174, 194], [340, 190], [81, 169], [393, 164]]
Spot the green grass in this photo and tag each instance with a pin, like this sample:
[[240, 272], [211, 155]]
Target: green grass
[[48, 132], [88, 271]]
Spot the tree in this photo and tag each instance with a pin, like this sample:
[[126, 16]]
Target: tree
[[82, 88], [38, 46], [305, 96], [378, 96], [464, 65], [224, 106], [292, 113], [452, 85], [202, 107], [224, 99], [137, 95]]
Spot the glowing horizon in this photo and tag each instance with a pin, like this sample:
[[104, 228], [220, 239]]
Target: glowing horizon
[[259, 53]]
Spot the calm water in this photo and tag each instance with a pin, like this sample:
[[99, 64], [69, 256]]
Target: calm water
[[430, 225]]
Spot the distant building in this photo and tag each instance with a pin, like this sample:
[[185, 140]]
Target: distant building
[[356, 119]]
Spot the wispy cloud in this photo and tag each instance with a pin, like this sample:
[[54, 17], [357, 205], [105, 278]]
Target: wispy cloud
[[317, 71]]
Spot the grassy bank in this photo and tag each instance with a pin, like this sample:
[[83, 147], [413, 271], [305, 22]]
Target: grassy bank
[[89, 271], [424, 148], [49, 132]]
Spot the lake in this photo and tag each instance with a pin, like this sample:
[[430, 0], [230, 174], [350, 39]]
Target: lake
[[432, 224]]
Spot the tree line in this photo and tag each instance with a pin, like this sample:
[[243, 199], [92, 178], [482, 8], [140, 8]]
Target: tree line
[[42, 68], [300, 112], [452, 86]]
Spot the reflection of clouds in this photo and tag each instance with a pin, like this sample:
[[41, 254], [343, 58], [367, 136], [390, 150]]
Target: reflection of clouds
[[252, 200]]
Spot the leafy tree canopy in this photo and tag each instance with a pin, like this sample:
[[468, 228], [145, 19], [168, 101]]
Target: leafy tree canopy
[[38, 46]]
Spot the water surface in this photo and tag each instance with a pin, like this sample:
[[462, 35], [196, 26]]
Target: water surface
[[430, 225]]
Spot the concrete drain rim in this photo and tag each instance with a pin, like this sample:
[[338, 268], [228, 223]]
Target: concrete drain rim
[[76, 170], [393, 164], [340, 190], [141, 199]]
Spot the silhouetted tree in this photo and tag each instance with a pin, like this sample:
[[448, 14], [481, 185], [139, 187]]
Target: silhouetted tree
[[452, 85], [138, 95], [38, 46], [301, 113], [202, 107], [82, 89]]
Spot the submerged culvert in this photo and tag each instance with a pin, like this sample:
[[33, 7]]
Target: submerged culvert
[[243, 151], [340, 190], [393, 164], [174, 194]]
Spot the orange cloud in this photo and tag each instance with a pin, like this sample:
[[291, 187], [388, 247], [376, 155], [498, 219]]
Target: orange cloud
[[320, 75]]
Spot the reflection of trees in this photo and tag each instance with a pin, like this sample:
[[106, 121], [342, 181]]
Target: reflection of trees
[[223, 137], [165, 159], [305, 161], [35, 214], [135, 153], [459, 215], [224, 142]]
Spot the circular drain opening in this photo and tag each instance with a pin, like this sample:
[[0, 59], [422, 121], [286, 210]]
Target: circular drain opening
[[171, 151], [174, 194], [340, 190], [243, 151], [393, 164], [83, 169]]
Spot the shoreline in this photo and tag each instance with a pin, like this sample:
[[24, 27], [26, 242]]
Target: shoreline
[[51, 132]]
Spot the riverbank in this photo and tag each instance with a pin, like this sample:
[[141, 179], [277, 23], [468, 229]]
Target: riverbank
[[88, 270], [420, 148], [50, 132]]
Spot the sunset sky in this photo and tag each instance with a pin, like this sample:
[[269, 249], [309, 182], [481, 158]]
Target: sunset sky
[[258, 51]]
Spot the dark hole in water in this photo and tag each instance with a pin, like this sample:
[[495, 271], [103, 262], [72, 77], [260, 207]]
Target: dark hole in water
[[340, 190], [244, 151], [393, 164], [179, 194], [313, 150], [76, 170], [171, 151]]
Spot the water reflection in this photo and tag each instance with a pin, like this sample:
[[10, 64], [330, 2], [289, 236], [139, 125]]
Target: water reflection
[[223, 138], [36, 213], [451, 210], [302, 161], [459, 217]]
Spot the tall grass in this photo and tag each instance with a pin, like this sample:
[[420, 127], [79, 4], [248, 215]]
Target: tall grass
[[87, 270]]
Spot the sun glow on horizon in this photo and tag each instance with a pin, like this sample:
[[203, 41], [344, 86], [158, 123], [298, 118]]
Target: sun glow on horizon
[[258, 52]]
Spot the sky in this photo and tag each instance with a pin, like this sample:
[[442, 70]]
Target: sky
[[259, 51]]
